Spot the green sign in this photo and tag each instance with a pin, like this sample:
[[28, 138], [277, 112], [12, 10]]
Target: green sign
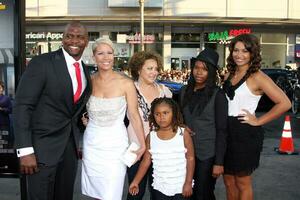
[[225, 35], [218, 36]]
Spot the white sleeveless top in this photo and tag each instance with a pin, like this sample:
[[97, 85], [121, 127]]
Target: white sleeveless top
[[243, 99], [169, 163]]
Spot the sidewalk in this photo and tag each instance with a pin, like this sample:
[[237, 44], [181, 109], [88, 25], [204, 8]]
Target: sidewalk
[[276, 178]]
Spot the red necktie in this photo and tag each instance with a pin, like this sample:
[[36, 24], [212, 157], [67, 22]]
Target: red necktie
[[79, 83]]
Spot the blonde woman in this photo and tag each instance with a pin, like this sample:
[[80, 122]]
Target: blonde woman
[[105, 138]]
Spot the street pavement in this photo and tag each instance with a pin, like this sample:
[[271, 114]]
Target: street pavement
[[277, 178]]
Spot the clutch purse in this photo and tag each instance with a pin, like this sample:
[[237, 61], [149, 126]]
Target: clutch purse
[[128, 158]]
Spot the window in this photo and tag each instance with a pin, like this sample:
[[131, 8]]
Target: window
[[185, 40], [93, 36], [273, 48]]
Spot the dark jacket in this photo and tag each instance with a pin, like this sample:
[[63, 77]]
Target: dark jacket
[[44, 114]]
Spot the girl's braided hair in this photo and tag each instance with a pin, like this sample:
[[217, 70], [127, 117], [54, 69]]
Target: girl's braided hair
[[177, 116]]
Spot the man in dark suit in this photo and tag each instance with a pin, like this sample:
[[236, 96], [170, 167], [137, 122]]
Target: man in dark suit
[[50, 97]]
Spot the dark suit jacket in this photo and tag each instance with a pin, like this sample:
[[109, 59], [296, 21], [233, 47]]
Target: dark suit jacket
[[44, 114]]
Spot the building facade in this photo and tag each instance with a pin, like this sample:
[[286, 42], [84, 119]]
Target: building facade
[[7, 44], [177, 29]]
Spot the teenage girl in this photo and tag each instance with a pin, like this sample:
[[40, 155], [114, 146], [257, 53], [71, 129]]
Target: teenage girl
[[205, 109], [170, 148]]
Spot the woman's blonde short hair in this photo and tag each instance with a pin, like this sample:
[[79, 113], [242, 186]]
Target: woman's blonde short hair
[[102, 40]]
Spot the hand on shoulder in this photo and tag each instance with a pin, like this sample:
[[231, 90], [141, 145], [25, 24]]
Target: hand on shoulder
[[166, 91]]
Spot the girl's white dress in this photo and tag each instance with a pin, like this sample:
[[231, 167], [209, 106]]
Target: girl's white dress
[[105, 140]]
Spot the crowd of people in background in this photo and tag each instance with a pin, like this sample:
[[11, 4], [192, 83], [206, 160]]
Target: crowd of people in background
[[180, 75], [175, 75]]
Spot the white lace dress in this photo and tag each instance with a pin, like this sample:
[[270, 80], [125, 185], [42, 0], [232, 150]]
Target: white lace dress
[[105, 140]]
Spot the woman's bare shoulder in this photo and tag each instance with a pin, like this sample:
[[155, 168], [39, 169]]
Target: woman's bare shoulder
[[123, 79], [260, 81], [260, 76]]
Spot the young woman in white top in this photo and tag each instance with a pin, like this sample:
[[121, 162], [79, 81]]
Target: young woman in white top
[[244, 86], [170, 148], [144, 66]]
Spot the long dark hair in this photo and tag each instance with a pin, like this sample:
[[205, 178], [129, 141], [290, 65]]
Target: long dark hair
[[177, 116], [210, 84], [252, 45]]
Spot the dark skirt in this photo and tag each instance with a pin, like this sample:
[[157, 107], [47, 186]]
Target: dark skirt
[[244, 145]]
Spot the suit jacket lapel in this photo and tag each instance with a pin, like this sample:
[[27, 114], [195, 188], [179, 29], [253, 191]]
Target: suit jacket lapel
[[64, 78], [88, 88]]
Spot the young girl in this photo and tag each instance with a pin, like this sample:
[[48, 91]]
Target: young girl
[[171, 149]]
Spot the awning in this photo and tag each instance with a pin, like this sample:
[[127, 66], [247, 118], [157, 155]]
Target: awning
[[6, 56]]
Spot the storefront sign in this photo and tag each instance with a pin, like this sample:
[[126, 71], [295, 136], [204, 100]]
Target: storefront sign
[[227, 34], [136, 39], [44, 36], [121, 38], [218, 36]]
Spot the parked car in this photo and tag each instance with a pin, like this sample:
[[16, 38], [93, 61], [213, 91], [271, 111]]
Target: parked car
[[173, 86], [284, 79]]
